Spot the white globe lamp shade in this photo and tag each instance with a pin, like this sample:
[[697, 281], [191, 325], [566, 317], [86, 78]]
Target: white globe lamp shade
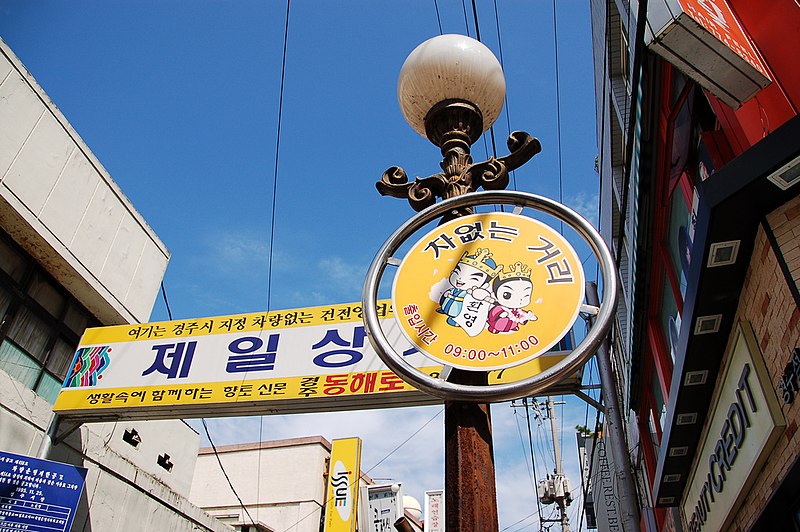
[[412, 506], [450, 67]]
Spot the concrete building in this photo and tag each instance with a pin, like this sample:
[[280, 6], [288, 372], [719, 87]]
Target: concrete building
[[697, 125], [280, 485], [74, 253]]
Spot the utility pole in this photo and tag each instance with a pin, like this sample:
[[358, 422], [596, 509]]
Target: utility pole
[[561, 492], [616, 430], [555, 488]]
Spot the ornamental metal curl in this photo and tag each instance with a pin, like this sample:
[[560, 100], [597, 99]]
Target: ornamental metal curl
[[460, 175]]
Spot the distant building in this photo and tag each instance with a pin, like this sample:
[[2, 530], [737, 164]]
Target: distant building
[[75, 254], [699, 138], [282, 485]]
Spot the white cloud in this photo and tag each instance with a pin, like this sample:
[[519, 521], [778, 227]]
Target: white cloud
[[229, 251], [342, 274], [586, 205]]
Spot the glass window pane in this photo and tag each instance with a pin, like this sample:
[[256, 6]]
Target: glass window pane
[[654, 439], [60, 358], [681, 140], [47, 295], [659, 407], [76, 319], [11, 261], [49, 387], [5, 302], [678, 243], [30, 333], [670, 318], [18, 364]]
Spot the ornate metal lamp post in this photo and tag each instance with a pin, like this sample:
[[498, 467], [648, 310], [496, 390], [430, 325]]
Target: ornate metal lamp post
[[451, 90]]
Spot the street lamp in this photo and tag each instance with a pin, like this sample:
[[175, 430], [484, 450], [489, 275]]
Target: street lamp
[[451, 90]]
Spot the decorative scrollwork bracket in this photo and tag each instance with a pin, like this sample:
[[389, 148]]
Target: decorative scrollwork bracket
[[460, 175]]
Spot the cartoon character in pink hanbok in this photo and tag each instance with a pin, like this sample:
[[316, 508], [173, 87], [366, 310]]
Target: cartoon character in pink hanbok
[[512, 291]]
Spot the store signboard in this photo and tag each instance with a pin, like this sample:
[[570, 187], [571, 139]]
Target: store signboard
[[705, 40], [381, 507], [744, 424], [434, 511], [38, 495], [488, 291], [288, 361], [343, 477], [604, 486]]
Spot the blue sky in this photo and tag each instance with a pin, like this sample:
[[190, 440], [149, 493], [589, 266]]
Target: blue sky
[[179, 100]]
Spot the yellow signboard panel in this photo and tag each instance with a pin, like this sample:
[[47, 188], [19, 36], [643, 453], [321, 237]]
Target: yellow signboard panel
[[287, 361], [488, 291], [343, 476]]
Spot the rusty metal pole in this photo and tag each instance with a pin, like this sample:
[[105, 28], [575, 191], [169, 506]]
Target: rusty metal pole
[[470, 491]]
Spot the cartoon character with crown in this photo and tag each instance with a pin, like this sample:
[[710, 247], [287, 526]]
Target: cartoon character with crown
[[512, 291], [471, 276]]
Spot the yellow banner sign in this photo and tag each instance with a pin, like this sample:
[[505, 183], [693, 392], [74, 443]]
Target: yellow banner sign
[[343, 476], [287, 361]]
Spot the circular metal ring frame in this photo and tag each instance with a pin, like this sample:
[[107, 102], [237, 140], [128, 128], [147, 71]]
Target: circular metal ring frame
[[497, 392]]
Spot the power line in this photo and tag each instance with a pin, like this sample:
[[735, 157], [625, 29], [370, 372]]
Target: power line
[[225, 473], [478, 37], [277, 152], [438, 17], [520, 521], [373, 467], [522, 444], [166, 301], [405, 441], [558, 113], [533, 462], [502, 65]]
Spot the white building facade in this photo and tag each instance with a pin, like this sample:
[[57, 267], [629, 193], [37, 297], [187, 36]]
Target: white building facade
[[74, 253]]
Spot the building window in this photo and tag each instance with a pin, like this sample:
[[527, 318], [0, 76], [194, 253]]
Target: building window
[[670, 319], [679, 240], [40, 323]]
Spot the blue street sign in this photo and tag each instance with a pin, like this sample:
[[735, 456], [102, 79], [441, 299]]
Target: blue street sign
[[38, 495]]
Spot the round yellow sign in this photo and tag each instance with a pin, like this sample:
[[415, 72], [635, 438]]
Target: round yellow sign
[[488, 291]]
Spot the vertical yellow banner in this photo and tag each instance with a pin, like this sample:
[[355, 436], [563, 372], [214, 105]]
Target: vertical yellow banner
[[343, 475]]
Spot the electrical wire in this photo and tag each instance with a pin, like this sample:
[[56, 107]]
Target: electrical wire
[[166, 301], [561, 428], [533, 462], [277, 152], [502, 65], [271, 236], [258, 474], [292, 526], [478, 37], [438, 17], [404, 442], [524, 451], [558, 114], [466, 20], [518, 522], [225, 473]]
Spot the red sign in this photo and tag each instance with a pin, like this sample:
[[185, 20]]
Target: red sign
[[718, 19]]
